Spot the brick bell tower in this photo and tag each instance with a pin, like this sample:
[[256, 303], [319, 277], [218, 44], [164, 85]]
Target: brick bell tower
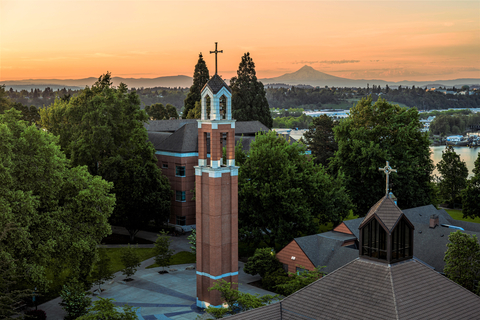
[[216, 192]]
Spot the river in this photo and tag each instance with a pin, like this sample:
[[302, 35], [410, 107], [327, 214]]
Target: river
[[469, 155]]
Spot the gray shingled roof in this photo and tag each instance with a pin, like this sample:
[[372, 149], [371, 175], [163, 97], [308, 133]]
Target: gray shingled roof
[[364, 289], [422, 214], [156, 138], [387, 212], [181, 141], [167, 125], [353, 225], [216, 84], [249, 127]]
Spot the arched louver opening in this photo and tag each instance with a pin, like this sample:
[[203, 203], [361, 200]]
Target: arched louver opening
[[374, 241]]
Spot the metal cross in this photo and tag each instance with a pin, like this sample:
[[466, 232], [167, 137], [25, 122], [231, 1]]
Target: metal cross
[[387, 169], [216, 51]]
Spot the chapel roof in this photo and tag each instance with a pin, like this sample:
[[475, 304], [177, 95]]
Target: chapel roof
[[387, 212]]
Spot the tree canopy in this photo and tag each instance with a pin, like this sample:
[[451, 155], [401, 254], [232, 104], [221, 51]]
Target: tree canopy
[[454, 175], [320, 139], [370, 136], [283, 194], [102, 128], [57, 215], [471, 194], [249, 101], [200, 78], [462, 260], [159, 112]]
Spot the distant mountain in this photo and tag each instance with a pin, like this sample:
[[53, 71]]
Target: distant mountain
[[171, 81], [306, 75]]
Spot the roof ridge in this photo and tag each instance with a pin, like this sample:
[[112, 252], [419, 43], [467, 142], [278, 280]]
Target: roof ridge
[[393, 292]]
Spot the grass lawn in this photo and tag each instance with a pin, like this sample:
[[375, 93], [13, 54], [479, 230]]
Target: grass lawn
[[181, 257], [457, 215]]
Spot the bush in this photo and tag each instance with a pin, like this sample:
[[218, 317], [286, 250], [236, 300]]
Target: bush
[[75, 302], [262, 261], [272, 279], [36, 314], [130, 259]]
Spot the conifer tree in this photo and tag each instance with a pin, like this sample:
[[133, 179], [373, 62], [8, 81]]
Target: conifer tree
[[200, 78], [249, 101]]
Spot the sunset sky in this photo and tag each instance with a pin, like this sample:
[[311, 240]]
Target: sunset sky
[[389, 40]]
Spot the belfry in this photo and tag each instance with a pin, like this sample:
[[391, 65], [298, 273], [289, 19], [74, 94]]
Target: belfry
[[216, 192]]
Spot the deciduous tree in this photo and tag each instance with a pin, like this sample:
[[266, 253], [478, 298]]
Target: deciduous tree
[[454, 175], [376, 133], [262, 262], [249, 101], [283, 194], [57, 214], [462, 260], [200, 78], [162, 250], [130, 259], [104, 309], [102, 128]]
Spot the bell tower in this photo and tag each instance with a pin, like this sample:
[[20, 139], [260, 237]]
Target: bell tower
[[216, 192]]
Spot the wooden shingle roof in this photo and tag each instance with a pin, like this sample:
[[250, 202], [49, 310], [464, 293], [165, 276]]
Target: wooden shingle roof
[[386, 211]]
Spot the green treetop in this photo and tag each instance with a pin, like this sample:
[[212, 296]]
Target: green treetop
[[283, 194], [200, 78], [370, 136], [454, 175], [57, 215], [471, 194], [249, 101], [102, 128], [320, 139]]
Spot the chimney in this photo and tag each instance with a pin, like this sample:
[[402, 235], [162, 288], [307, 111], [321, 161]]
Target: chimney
[[434, 221]]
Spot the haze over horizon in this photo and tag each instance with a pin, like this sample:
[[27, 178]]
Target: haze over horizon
[[387, 40]]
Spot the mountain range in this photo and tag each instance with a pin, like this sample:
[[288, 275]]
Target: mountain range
[[304, 76]]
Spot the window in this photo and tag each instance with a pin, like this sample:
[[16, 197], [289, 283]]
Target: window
[[181, 221], [401, 241], [374, 240], [299, 271], [180, 196], [285, 267], [164, 165], [180, 171]]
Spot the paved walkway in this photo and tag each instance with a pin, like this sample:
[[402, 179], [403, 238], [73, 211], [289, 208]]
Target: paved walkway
[[156, 296]]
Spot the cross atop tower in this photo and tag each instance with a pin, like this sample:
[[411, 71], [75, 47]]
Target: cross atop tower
[[216, 51], [387, 169]]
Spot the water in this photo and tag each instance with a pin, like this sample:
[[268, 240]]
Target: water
[[469, 155]]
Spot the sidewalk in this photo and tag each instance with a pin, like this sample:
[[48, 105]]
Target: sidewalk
[[167, 296]]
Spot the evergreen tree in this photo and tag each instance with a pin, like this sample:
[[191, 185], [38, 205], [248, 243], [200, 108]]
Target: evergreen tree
[[249, 101], [200, 78], [320, 139], [454, 175], [471, 194]]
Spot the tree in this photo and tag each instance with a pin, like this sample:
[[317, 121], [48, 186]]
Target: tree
[[192, 240], [454, 175], [296, 281], [195, 113], [162, 250], [462, 260], [471, 194], [200, 78], [283, 194], [130, 259], [102, 271], [249, 101], [236, 301], [158, 112], [262, 262], [74, 299], [370, 136], [104, 309], [57, 214], [320, 139], [102, 128]]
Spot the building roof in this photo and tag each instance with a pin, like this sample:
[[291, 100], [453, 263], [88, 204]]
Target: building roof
[[249, 127], [167, 125], [353, 226], [387, 212], [183, 140], [215, 84], [156, 138], [364, 289]]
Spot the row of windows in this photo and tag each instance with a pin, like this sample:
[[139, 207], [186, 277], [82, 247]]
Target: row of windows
[[179, 170], [180, 196]]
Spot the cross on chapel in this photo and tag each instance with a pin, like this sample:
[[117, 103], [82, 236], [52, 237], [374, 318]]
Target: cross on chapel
[[387, 169], [216, 51]]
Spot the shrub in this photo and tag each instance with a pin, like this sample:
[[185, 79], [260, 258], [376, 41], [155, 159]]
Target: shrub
[[75, 302], [262, 261], [36, 314]]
